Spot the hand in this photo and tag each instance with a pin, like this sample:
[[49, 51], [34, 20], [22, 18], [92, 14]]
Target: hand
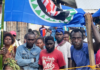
[[34, 59], [90, 16], [98, 65], [3, 50]]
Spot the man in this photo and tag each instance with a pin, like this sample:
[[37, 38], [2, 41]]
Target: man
[[63, 46], [42, 31], [50, 58], [53, 29], [40, 43], [79, 50], [66, 36], [17, 42], [27, 55]]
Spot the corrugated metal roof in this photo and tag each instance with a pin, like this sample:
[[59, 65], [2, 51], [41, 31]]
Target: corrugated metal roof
[[88, 4]]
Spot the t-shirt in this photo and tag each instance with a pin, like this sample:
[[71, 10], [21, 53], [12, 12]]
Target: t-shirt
[[42, 31], [65, 49], [17, 43], [98, 57], [51, 61], [81, 57]]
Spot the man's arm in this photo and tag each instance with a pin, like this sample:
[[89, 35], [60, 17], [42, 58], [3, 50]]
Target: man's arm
[[40, 67], [96, 34], [61, 61], [63, 67], [73, 64], [20, 60], [69, 56], [35, 64], [69, 63]]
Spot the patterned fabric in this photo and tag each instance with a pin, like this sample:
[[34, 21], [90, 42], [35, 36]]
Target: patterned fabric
[[50, 7], [9, 58]]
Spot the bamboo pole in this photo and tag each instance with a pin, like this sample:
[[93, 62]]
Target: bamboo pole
[[2, 26], [89, 37]]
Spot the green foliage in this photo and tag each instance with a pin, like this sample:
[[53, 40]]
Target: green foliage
[[12, 63]]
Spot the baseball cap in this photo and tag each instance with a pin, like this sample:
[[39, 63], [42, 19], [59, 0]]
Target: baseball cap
[[13, 32]]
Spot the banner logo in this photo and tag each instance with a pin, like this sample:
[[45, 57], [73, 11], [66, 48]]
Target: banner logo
[[39, 10]]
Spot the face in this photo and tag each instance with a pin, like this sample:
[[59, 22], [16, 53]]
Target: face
[[14, 36], [59, 36], [30, 40], [50, 46], [50, 32], [42, 25], [55, 27], [66, 37], [40, 43], [77, 40], [7, 41]]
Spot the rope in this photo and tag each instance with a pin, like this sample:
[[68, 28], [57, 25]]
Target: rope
[[92, 67]]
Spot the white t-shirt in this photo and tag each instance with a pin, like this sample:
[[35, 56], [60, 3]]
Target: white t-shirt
[[65, 49], [17, 43]]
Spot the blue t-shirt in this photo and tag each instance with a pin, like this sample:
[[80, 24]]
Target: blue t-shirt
[[81, 57]]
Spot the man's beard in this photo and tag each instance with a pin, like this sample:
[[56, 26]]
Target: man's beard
[[78, 47], [50, 50], [59, 41], [29, 46]]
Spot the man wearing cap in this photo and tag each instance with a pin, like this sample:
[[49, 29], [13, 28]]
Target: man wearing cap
[[63, 46], [17, 42]]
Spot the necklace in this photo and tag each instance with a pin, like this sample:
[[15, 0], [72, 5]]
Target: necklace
[[59, 43]]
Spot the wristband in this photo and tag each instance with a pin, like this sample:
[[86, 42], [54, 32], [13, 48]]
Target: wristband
[[32, 60]]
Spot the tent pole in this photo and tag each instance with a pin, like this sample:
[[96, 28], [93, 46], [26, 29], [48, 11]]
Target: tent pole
[[2, 27], [89, 37]]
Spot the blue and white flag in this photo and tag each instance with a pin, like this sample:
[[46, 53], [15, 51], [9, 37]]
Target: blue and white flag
[[34, 11]]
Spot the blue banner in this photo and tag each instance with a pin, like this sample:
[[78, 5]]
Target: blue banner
[[30, 11], [96, 14]]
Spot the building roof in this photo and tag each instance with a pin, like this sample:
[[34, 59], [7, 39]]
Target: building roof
[[88, 4], [70, 3]]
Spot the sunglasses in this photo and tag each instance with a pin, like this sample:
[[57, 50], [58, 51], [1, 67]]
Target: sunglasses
[[14, 35]]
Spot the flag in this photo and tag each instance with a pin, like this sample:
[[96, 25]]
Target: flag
[[36, 12], [96, 14]]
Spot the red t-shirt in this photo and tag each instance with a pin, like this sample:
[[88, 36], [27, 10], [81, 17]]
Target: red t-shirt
[[98, 57], [52, 61]]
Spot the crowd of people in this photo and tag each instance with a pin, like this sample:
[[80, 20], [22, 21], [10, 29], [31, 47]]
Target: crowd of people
[[49, 49]]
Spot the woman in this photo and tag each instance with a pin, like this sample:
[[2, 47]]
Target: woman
[[8, 51]]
